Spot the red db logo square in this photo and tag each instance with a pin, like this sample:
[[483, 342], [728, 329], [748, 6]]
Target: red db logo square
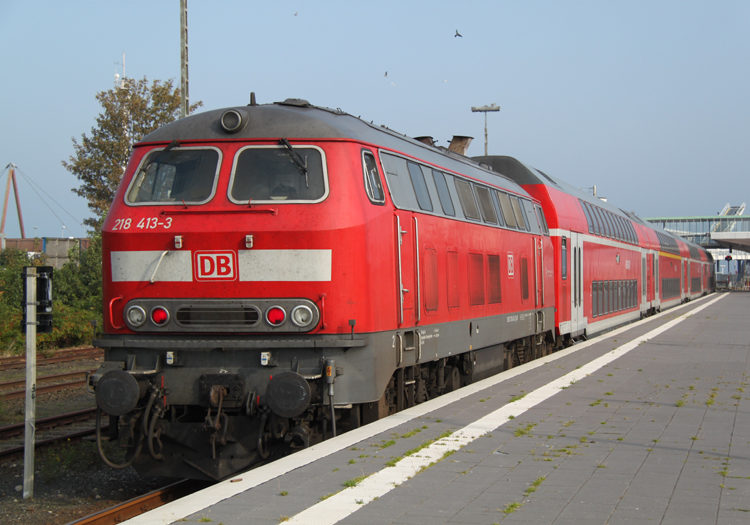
[[215, 266]]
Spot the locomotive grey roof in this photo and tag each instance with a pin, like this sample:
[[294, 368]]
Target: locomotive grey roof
[[297, 119]]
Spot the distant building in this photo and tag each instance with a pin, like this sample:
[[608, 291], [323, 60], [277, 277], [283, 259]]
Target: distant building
[[724, 234], [55, 249]]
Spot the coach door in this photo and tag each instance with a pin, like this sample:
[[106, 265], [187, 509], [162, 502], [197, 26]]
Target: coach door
[[577, 320], [407, 240], [650, 277], [657, 299], [644, 306], [539, 272], [683, 277]]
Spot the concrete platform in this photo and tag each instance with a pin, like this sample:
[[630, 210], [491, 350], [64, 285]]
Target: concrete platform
[[647, 424]]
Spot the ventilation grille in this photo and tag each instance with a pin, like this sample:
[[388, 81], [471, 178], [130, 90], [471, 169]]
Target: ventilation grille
[[476, 279], [238, 316]]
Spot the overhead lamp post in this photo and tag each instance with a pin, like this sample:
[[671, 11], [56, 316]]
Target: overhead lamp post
[[485, 110]]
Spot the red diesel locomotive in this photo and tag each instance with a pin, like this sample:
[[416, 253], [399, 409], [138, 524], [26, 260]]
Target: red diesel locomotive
[[276, 273]]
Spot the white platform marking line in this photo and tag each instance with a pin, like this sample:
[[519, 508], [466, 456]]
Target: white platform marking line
[[348, 501], [182, 508]]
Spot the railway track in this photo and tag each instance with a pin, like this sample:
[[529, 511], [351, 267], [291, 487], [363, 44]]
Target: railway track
[[15, 362], [49, 430], [141, 504], [59, 382]]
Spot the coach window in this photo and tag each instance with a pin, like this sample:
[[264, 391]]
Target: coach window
[[466, 196], [372, 179], [633, 235], [531, 223], [594, 302], [172, 176], [616, 226], [611, 223], [498, 209], [608, 221], [542, 220], [420, 187], [507, 209], [628, 233], [272, 175], [620, 228], [605, 224], [589, 221], [485, 204], [519, 214], [444, 195], [598, 226], [564, 257], [594, 218]]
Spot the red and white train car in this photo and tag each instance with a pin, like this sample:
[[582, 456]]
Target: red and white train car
[[610, 266]]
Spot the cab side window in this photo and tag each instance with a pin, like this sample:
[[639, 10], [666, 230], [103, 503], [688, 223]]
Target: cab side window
[[372, 179]]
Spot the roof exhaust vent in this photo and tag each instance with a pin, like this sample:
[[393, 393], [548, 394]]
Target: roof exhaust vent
[[425, 140], [459, 144]]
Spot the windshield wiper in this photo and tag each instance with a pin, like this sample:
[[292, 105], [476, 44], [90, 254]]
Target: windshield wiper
[[296, 159], [144, 169], [171, 145]]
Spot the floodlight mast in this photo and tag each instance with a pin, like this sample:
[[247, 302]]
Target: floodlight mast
[[184, 86], [485, 110]]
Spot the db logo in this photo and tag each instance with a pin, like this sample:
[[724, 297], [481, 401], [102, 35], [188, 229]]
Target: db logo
[[215, 266]]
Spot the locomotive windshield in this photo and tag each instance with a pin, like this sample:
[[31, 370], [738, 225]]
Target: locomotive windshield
[[175, 176], [271, 174]]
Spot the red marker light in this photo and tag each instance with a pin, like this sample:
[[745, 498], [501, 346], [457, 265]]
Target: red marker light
[[159, 316], [275, 315]]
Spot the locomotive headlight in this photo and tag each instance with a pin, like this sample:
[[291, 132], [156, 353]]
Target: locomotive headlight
[[275, 316], [302, 316], [136, 316], [159, 315], [233, 120]]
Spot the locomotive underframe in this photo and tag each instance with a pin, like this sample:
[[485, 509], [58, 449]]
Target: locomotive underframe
[[208, 421]]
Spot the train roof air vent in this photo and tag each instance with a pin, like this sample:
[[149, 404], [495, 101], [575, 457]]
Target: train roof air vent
[[298, 102], [460, 143]]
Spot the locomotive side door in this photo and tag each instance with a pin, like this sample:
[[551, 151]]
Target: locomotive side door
[[577, 320], [407, 239]]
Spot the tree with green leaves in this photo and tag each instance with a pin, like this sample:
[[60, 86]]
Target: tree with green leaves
[[131, 110]]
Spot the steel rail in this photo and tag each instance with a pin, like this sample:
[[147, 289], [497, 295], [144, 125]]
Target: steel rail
[[51, 441], [21, 383], [141, 504], [48, 423], [43, 389], [14, 362]]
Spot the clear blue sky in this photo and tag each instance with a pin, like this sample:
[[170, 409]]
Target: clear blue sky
[[647, 100]]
